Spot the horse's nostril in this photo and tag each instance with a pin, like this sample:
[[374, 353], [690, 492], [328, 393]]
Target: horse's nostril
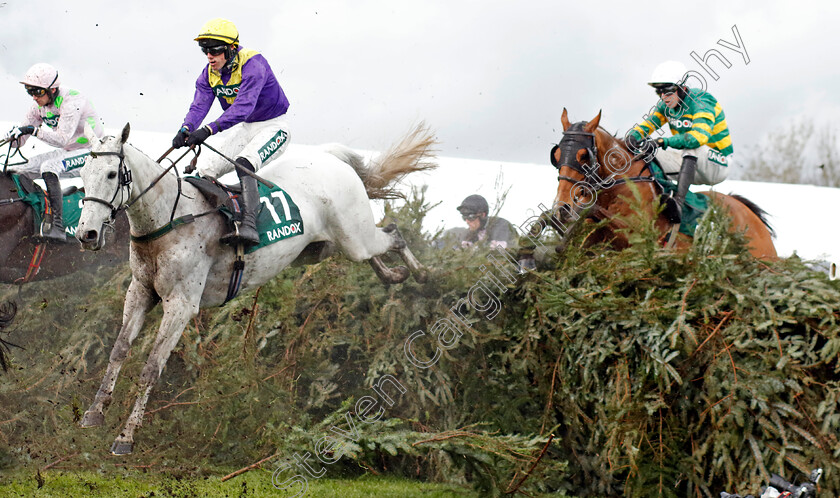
[[91, 235]]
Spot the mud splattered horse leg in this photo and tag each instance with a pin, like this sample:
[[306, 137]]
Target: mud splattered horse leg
[[400, 246], [138, 301], [178, 310]]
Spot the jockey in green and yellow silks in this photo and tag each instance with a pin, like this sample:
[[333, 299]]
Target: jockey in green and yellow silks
[[699, 149]]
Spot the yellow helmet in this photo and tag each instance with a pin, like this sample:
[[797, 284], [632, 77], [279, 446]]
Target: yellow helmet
[[219, 29]]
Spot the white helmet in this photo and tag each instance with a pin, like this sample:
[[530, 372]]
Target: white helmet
[[42, 75], [669, 72]]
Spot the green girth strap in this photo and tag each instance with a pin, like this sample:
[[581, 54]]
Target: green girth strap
[[172, 225]]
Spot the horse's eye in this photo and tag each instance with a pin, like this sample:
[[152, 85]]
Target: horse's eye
[[112, 175]]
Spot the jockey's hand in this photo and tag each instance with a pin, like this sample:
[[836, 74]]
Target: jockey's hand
[[180, 139], [198, 136], [634, 143], [660, 143], [19, 131]]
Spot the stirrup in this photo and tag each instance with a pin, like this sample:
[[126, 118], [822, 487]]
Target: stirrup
[[53, 234], [672, 210], [240, 236]]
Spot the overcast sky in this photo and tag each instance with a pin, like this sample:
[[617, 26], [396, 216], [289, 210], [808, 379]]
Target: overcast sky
[[491, 77]]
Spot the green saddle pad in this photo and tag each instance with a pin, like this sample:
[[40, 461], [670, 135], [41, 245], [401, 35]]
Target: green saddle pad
[[278, 217], [71, 205], [695, 205]]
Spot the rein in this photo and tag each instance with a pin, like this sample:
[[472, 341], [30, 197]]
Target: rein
[[11, 154], [586, 140], [125, 181], [573, 141]]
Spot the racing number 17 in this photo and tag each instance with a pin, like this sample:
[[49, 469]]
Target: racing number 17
[[283, 202]]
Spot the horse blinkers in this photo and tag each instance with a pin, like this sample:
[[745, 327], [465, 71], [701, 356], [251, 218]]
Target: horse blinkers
[[572, 146]]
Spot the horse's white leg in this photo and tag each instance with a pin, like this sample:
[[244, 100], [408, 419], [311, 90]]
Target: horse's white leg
[[417, 269], [178, 310], [138, 301], [359, 245], [388, 275]]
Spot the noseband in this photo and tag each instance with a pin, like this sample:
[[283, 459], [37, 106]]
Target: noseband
[[124, 181]]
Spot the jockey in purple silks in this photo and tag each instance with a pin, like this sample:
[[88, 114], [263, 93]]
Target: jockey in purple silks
[[252, 122]]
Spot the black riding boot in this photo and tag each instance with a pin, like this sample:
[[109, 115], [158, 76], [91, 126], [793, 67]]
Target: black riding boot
[[686, 178], [246, 232], [52, 227]]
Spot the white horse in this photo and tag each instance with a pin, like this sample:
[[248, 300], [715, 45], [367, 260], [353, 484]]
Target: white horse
[[187, 268]]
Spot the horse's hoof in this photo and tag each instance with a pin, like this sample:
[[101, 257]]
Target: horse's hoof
[[122, 448], [400, 274], [92, 419], [421, 276]]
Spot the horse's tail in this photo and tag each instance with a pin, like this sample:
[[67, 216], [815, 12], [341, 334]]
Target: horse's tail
[[762, 214], [412, 153]]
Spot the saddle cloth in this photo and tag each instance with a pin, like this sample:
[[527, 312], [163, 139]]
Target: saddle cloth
[[278, 217], [33, 195], [695, 205]]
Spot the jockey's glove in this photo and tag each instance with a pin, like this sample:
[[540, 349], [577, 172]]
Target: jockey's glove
[[180, 139], [634, 143], [199, 136], [660, 142], [19, 131]]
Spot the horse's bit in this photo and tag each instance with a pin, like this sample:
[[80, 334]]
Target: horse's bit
[[124, 182]]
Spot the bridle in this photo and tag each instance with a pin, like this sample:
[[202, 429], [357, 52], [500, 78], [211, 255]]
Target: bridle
[[123, 184], [575, 139], [124, 181]]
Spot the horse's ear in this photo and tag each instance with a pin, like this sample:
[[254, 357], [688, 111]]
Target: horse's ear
[[126, 130], [89, 133], [564, 118], [593, 125]]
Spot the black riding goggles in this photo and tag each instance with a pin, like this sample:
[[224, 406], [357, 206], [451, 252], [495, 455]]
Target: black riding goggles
[[217, 50], [35, 91], [666, 90]]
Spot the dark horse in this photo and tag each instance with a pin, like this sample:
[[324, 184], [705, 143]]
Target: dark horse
[[19, 261], [22, 260], [596, 171]]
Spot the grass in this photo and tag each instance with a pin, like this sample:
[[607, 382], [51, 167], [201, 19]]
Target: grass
[[253, 484]]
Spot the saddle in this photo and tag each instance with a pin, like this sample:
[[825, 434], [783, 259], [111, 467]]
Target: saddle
[[219, 195]]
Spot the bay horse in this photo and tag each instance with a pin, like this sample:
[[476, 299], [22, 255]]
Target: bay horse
[[19, 253], [188, 268], [596, 170]]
